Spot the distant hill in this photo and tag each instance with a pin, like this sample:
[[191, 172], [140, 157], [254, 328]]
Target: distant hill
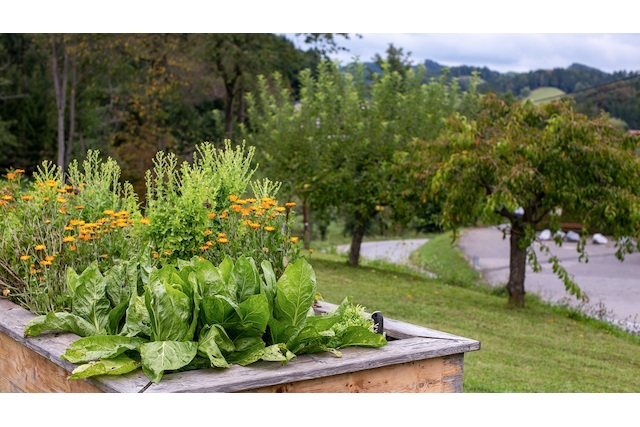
[[617, 93]]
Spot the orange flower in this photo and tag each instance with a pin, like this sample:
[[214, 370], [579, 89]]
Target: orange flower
[[79, 207], [27, 198], [310, 250], [233, 197], [294, 240], [290, 204], [49, 258], [105, 256], [72, 248], [223, 240], [40, 247], [25, 258], [254, 225], [7, 197], [206, 232], [209, 243], [5, 292], [45, 263], [155, 255], [211, 215], [279, 209], [68, 239], [145, 221], [269, 228], [61, 200], [19, 170], [11, 175], [222, 234]]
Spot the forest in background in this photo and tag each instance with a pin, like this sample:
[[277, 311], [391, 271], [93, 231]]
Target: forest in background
[[131, 95]]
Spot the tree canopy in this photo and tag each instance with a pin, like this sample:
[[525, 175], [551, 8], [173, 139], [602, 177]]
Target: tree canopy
[[526, 164]]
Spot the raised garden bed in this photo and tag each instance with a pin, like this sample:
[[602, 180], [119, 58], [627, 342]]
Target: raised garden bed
[[415, 360]]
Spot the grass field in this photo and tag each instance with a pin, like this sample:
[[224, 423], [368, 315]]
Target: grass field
[[543, 94], [541, 348]]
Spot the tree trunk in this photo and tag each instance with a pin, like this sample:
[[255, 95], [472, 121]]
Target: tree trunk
[[517, 267], [72, 110], [356, 240], [306, 218], [60, 88]]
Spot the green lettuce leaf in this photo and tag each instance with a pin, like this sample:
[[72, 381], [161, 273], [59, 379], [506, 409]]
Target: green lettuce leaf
[[160, 356], [295, 292], [246, 277], [137, 318], [212, 343], [254, 314], [170, 312], [219, 310], [100, 347], [268, 286], [90, 300], [117, 366], [59, 322]]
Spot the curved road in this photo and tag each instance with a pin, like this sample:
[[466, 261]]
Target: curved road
[[613, 287]]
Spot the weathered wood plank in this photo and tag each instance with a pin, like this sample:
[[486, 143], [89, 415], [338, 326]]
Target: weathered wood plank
[[31, 372], [307, 367], [50, 346], [439, 375], [7, 386]]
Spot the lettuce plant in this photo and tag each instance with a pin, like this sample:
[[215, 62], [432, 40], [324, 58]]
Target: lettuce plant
[[195, 315]]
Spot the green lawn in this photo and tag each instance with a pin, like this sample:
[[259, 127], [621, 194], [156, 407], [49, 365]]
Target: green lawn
[[537, 349]]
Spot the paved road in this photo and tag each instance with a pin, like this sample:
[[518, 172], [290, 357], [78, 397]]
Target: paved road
[[613, 287], [393, 251]]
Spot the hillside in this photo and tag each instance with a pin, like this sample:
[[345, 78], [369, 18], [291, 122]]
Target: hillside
[[616, 93]]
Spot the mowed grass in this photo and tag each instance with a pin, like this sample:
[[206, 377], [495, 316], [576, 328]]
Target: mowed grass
[[537, 349]]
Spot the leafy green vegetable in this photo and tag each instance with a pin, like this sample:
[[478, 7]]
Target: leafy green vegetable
[[100, 346], [237, 312], [117, 366], [160, 356], [295, 292]]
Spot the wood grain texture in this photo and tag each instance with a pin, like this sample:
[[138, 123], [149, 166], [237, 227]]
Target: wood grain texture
[[30, 372], [439, 375]]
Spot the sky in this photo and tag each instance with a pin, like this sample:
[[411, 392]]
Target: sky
[[501, 52]]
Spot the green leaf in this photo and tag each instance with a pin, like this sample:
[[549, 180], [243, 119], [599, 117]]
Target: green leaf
[[246, 277], [254, 313], [212, 343], [209, 278], [90, 299], [170, 312], [268, 287], [115, 317], [116, 366], [295, 291], [137, 318], [160, 356], [218, 310], [226, 271], [100, 347], [59, 322], [277, 353], [247, 350], [358, 336]]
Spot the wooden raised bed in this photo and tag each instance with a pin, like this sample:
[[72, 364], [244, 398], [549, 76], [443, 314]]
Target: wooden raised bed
[[415, 360]]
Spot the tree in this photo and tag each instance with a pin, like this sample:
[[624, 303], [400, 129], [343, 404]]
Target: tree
[[335, 148], [396, 58], [525, 163]]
